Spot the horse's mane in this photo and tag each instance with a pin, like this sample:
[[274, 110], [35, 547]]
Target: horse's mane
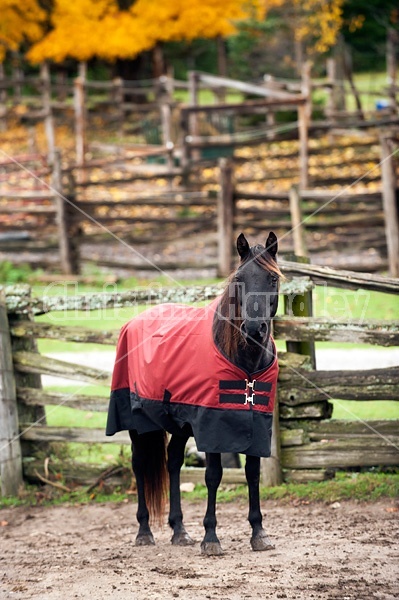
[[226, 326]]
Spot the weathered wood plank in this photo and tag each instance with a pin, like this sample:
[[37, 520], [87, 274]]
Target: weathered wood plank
[[83, 435], [10, 448], [298, 386], [307, 475], [369, 451], [87, 473], [341, 428], [376, 332], [293, 437], [197, 475], [389, 196], [19, 301], [63, 333], [316, 410], [28, 414], [346, 279], [30, 362], [36, 397], [225, 218], [76, 472]]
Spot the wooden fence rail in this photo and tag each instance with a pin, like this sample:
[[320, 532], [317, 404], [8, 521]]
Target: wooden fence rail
[[311, 443], [72, 217]]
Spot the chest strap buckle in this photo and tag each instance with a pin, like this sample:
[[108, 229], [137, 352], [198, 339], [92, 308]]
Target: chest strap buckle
[[249, 392]]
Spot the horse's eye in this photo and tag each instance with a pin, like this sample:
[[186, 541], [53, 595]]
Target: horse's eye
[[274, 279]]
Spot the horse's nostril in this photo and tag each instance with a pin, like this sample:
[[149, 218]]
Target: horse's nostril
[[263, 327]]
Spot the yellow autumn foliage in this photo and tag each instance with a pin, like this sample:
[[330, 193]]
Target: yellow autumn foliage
[[83, 29], [318, 22], [77, 30], [86, 28], [18, 22]]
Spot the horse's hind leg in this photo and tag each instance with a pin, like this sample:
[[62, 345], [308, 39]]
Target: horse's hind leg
[[259, 539], [210, 545], [144, 536], [176, 449]]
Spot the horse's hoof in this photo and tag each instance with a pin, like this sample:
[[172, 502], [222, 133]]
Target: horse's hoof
[[182, 539], [145, 539], [211, 549], [261, 542]]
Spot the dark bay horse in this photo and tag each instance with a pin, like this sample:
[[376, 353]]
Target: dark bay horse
[[209, 372]]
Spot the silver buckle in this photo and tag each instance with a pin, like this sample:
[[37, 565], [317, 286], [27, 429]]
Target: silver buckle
[[250, 387]]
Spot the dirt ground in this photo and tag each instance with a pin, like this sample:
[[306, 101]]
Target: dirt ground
[[348, 551]]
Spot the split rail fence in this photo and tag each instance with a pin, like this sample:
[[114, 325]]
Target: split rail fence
[[308, 444], [50, 224]]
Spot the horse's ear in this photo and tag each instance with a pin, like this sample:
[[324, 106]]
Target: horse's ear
[[242, 246], [272, 245]]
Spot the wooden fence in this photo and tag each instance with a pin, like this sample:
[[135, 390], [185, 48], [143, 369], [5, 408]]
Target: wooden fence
[[148, 112], [311, 442], [60, 218]]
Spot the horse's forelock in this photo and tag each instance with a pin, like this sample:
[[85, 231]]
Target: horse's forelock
[[263, 258]]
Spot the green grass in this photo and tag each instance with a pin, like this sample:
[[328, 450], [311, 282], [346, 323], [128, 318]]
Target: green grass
[[364, 487], [345, 486], [366, 84], [207, 97], [366, 411], [63, 416], [347, 305]]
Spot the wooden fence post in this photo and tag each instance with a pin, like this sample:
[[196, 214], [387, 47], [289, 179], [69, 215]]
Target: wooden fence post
[[3, 99], [304, 116], [165, 100], [389, 186], [298, 230], [66, 219], [27, 414], [300, 305], [336, 98], [79, 102], [391, 50], [10, 447], [225, 217], [17, 77], [271, 472], [117, 98], [48, 118], [193, 81]]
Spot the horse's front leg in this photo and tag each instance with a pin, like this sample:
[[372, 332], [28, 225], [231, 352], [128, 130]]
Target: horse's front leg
[[144, 536], [210, 545], [259, 539], [176, 449]]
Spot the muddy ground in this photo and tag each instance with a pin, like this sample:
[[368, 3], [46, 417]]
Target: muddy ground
[[347, 552]]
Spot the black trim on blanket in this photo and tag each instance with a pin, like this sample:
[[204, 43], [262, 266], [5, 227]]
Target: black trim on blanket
[[215, 429]]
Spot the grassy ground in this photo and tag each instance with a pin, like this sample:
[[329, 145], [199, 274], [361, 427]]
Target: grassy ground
[[364, 487], [367, 85]]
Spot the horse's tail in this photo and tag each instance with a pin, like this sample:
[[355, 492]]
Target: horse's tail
[[155, 472]]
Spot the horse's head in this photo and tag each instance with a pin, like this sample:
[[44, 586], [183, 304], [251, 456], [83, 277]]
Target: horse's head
[[257, 281]]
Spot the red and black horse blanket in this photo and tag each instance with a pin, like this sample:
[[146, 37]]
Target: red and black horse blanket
[[169, 373]]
